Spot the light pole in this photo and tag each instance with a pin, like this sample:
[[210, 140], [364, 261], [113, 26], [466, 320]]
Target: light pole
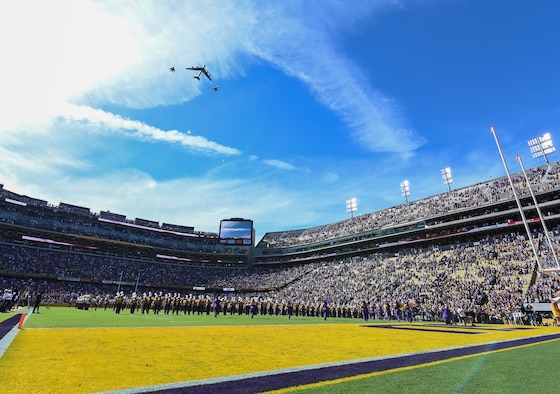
[[405, 189], [541, 146], [352, 205], [446, 176], [523, 218], [539, 212]]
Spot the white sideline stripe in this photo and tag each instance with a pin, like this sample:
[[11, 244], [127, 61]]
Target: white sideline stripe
[[9, 337]]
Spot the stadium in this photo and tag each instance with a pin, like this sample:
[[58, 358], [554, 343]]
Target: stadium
[[172, 179], [477, 259]]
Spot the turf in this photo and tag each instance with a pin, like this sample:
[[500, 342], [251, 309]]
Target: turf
[[90, 351], [5, 316], [519, 370], [63, 317]]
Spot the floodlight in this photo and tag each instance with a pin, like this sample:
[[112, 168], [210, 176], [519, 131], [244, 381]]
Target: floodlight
[[446, 177], [541, 146], [405, 189], [352, 205]]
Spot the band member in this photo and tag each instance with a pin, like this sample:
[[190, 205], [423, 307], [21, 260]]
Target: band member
[[365, 311], [156, 305], [217, 306], [146, 303], [119, 302], [133, 303], [253, 307], [325, 310]]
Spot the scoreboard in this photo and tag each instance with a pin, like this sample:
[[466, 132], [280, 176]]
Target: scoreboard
[[236, 231]]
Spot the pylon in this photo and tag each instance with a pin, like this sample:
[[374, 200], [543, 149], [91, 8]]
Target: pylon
[[21, 320]]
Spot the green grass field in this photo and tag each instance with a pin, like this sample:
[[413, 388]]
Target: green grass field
[[521, 370], [64, 317], [77, 351]]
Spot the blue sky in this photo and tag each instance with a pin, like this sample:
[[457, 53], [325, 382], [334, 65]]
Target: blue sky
[[318, 102]]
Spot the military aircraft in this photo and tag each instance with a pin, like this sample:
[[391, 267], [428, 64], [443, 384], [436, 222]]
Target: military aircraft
[[201, 70], [215, 88], [172, 69]]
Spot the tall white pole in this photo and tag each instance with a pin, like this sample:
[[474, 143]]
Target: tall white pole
[[516, 198], [543, 151], [137, 280], [547, 234], [120, 281]]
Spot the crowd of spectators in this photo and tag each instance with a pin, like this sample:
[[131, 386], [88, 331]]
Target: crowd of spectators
[[490, 279], [498, 270], [499, 189], [49, 218], [67, 265]]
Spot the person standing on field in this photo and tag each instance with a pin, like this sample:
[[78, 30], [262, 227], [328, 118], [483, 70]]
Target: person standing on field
[[37, 304]]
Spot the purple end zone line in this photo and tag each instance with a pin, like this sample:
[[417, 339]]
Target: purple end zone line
[[455, 329], [7, 325], [290, 379], [422, 328], [8, 332]]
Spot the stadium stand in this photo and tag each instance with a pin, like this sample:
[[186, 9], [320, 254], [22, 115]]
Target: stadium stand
[[466, 248]]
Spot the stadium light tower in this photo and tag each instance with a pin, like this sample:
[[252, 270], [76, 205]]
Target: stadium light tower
[[405, 189], [352, 205], [541, 146], [446, 176], [543, 222], [523, 218]]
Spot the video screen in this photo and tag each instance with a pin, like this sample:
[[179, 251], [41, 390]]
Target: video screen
[[236, 232]]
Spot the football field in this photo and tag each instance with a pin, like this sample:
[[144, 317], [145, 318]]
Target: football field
[[66, 350]]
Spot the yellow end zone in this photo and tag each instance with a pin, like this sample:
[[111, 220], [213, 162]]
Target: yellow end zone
[[104, 359]]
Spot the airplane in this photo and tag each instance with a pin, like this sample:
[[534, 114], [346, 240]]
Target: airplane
[[172, 69], [201, 70], [215, 88]]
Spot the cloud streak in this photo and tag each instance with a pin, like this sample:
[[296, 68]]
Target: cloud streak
[[308, 53], [279, 164], [131, 73], [102, 120]]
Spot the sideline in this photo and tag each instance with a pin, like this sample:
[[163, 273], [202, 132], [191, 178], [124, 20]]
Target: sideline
[[7, 339]]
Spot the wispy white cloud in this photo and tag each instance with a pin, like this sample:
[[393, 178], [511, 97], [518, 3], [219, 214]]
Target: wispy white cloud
[[57, 51], [279, 164], [72, 63], [103, 120], [330, 177], [307, 52], [179, 201], [118, 53]]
